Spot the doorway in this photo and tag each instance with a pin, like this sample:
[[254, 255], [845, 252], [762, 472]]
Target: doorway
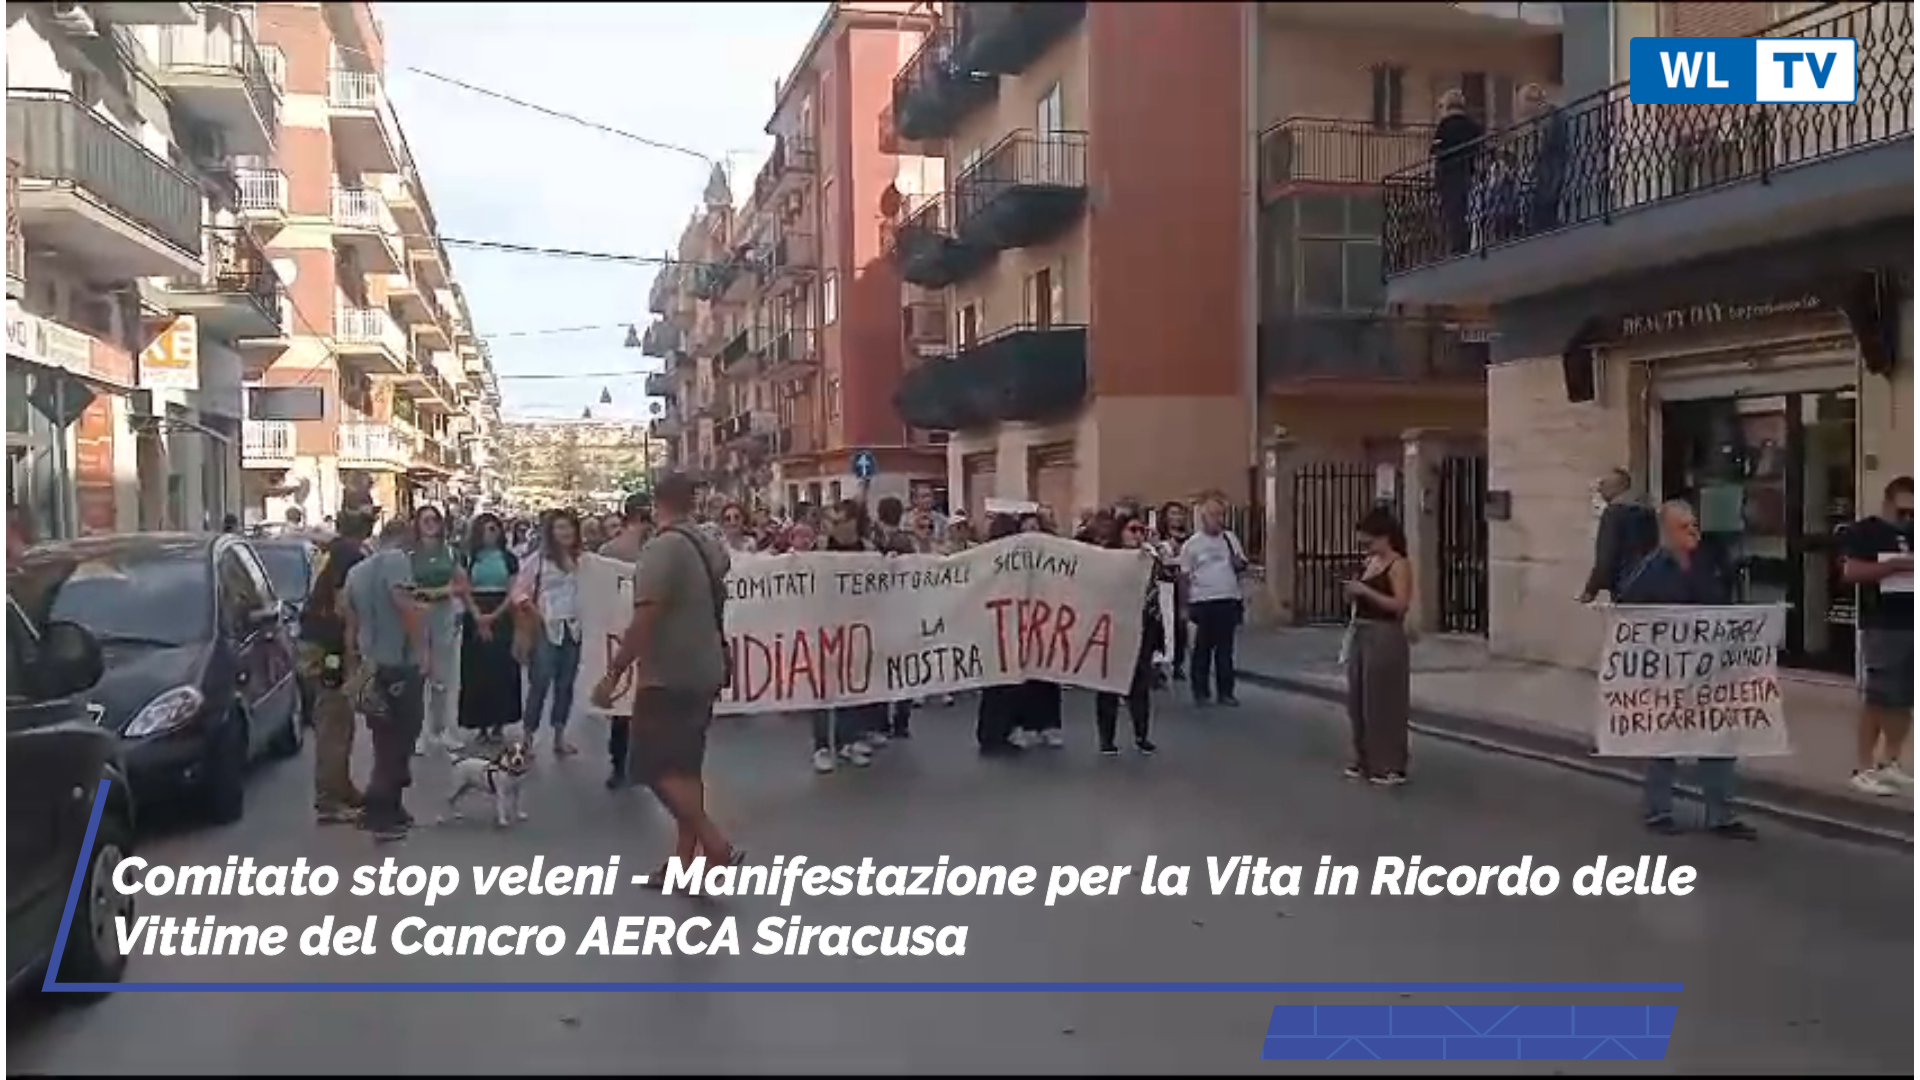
[[1772, 479]]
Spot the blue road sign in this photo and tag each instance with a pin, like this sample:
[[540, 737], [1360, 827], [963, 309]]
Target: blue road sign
[[864, 464]]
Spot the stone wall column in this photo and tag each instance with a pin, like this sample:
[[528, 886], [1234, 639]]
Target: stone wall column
[[1279, 460]]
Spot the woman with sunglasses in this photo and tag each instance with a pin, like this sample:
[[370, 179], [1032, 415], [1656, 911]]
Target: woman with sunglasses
[[1130, 534], [489, 674]]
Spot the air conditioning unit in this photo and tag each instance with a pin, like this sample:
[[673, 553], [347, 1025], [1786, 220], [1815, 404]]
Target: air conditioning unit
[[75, 19]]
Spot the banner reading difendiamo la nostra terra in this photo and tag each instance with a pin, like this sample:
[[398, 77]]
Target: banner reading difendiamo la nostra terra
[[822, 629]]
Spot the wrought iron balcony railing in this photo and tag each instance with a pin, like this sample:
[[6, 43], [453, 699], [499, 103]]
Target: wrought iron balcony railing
[[1603, 155], [236, 265], [1309, 150]]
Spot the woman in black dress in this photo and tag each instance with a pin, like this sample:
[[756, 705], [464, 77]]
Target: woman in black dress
[[489, 674]]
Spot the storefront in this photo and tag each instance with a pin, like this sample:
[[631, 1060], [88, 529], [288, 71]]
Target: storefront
[[1773, 392], [70, 456]]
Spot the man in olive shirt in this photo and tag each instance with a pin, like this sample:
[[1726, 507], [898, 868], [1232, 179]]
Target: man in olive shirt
[[677, 653], [323, 660], [390, 665]]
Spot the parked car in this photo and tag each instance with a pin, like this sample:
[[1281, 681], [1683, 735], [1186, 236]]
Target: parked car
[[290, 560], [200, 673], [56, 757]]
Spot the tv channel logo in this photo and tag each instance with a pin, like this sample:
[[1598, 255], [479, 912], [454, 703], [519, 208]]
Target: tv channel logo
[[1743, 71]]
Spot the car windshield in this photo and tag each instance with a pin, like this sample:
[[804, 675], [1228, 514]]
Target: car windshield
[[153, 596], [287, 565]]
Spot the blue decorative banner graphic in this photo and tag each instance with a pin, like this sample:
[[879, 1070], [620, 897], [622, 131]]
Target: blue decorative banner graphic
[[1469, 1032]]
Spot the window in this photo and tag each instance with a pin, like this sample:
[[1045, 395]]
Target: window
[[833, 399], [1049, 116], [1389, 96], [1340, 275], [1043, 298], [1489, 98], [834, 490], [239, 596], [830, 299], [966, 326]]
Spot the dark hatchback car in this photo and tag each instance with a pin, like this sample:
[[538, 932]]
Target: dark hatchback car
[[56, 757], [200, 676]]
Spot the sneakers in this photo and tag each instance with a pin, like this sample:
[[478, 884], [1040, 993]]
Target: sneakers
[[1020, 738], [1229, 701], [1892, 773], [337, 815], [1054, 738], [1662, 824], [1872, 782], [1388, 779], [857, 754], [1109, 750], [1145, 746], [875, 739], [823, 761], [1354, 772], [1735, 830]]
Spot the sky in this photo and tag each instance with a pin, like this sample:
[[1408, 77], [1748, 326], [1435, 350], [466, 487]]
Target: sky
[[695, 75]]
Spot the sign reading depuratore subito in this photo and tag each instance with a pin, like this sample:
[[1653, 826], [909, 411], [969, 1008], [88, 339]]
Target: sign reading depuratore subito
[[1692, 682]]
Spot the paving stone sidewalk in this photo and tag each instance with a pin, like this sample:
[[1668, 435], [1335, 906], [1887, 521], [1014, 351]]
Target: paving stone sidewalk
[[1460, 691]]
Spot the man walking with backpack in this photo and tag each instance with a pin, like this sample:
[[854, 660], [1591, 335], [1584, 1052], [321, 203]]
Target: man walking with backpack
[[676, 649]]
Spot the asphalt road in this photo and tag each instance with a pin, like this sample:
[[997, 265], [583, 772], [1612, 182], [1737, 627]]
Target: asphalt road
[[1796, 952]]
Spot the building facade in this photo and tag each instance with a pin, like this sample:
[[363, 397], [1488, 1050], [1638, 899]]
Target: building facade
[[374, 318], [799, 336], [134, 299], [1718, 300]]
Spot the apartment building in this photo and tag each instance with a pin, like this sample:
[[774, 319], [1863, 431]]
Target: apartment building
[[1719, 300], [1089, 247], [376, 324], [693, 323], [134, 300], [796, 337]]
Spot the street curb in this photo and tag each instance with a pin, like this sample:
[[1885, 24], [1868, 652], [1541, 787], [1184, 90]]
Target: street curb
[[1814, 811]]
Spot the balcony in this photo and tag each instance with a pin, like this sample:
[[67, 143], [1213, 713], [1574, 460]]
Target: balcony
[[666, 281], [147, 12], [407, 211], [95, 193], [1607, 187], [932, 92], [1370, 349], [368, 336], [215, 69], [662, 384], [1308, 153], [263, 194], [739, 348], [1006, 38], [662, 339], [793, 160], [238, 295], [785, 353], [745, 430], [360, 120], [361, 221], [419, 313], [428, 263], [791, 258], [373, 445], [267, 444], [1027, 190], [1023, 374], [925, 250], [670, 424], [16, 243], [1488, 20]]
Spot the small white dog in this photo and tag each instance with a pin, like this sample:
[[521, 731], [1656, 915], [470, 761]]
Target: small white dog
[[501, 774]]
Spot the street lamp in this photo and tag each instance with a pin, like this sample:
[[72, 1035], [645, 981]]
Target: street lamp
[[606, 396], [633, 336]]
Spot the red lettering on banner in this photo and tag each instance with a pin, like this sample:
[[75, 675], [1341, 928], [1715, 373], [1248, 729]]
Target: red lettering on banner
[[812, 664], [1039, 637]]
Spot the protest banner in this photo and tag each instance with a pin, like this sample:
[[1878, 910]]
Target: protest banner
[[822, 629], [1690, 682]]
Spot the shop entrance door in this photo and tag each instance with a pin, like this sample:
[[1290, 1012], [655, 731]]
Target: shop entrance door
[[1772, 479]]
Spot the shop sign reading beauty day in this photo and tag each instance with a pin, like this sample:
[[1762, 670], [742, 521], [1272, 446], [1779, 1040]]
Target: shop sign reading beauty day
[[819, 629], [1691, 682]]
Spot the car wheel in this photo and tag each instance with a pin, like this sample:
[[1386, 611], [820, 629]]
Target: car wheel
[[292, 737], [226, 780], [93, 941]]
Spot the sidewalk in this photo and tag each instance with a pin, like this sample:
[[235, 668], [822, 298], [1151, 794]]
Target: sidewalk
[[1462, 693]]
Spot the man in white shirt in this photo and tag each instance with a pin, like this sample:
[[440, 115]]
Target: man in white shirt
[[1212, 561]]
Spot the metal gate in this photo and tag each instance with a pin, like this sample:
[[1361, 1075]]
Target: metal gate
[[1462, 544], [1329, 498]]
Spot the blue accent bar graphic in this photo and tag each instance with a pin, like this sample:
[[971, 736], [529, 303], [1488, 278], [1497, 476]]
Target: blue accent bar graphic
[[53, 985], [1469, 1033]]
